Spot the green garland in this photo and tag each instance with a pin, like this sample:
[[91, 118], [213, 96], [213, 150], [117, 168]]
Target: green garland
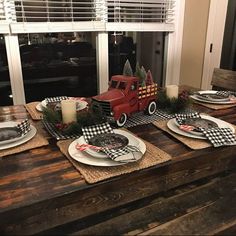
[[91, 116], [173, 105]]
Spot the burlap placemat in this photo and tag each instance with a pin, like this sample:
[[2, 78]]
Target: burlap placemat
[[216, 106], [37, 141], [31, 108], [93, 174], [190, 142]]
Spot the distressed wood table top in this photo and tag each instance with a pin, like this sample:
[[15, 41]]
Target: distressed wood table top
[[41, 192]]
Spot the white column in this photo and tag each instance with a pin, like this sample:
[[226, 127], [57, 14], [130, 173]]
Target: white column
[[102, 62], [15, 70], [215, 36], [174, 46]]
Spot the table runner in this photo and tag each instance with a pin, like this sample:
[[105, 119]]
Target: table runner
[[31, 108], [190, 142], [93, 174], [215, 106], [37, 141]]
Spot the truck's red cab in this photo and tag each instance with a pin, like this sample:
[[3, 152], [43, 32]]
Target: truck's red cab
[[123, 98]]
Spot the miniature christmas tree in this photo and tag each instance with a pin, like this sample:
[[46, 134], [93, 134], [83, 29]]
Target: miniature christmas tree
[[127, 70], [141, 74], [149, 78]]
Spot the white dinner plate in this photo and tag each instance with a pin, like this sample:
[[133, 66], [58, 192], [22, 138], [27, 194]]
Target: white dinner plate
[[172, 125], [80, 105], [88, 159], [132, 141], [25, 139], [201, 99], [10, 124]]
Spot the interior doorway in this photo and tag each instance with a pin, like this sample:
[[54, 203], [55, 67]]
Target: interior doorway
[[228, 56], [214, 40]]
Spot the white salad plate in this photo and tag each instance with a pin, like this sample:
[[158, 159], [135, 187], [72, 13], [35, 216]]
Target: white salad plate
[[80, 105], [23, 139], [10, 124], [208, 100], [174, 126], [90, 159]]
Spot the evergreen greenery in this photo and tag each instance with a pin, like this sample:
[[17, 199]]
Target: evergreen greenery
[[173, 105], [91, 116], [127, 70]]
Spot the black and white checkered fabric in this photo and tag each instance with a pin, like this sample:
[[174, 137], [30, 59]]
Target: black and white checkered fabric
[[225, 93], [220, 136], [140, 118], [93, 130], [55, 99], [23, 127], [180, 118], [121, 154]]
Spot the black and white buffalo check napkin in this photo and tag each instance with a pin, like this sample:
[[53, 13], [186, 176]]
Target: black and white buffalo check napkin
[[220, 136], [119, 154], [225, 93], [23, 127], [217, 136], [55, 99], [94, 130], [180, 118]]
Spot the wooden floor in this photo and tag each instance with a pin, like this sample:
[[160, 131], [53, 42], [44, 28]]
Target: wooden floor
[[205, 207]]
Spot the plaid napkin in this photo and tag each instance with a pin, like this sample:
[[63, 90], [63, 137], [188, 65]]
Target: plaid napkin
[[119, 154], [91, 131], [217, 136], [225, 93], [220, 136], [55, 99], [180, 118], [23, 127]]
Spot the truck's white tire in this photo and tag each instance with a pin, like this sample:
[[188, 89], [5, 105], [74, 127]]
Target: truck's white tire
[[121, 122], [152, 107]]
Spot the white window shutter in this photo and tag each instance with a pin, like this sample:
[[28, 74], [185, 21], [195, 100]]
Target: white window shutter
[[143, 15], [29, 16], [4, 26]]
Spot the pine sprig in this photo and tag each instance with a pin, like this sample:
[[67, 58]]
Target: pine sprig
[[173, 105], [91, 116]]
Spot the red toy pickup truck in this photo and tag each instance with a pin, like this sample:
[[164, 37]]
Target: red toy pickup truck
[[125, 96]]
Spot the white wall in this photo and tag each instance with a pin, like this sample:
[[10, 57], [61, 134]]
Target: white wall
[[194, 39]]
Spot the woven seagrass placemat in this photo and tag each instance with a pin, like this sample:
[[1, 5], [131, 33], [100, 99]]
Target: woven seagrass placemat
[[31, 108], [216, 106], [190, 142], [37, 141], [93, 174]]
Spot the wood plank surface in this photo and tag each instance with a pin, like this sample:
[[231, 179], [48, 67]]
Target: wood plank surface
[[41, 192], [192, 209]]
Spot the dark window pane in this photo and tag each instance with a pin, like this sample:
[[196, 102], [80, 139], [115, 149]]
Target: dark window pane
[[5, 87], [146, 48], [58, 64], [114, 83]]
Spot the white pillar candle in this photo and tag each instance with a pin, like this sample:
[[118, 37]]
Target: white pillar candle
[[68, 110], [172, 91]]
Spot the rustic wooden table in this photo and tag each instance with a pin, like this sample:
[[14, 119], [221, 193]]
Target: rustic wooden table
[[42, 193]]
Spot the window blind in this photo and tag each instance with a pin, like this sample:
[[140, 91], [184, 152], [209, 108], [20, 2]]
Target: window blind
[[2, 12], [160, 11], [89, 15], [4, 26]]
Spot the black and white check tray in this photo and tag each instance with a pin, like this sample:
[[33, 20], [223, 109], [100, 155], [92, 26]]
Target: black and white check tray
[[56, 133]]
